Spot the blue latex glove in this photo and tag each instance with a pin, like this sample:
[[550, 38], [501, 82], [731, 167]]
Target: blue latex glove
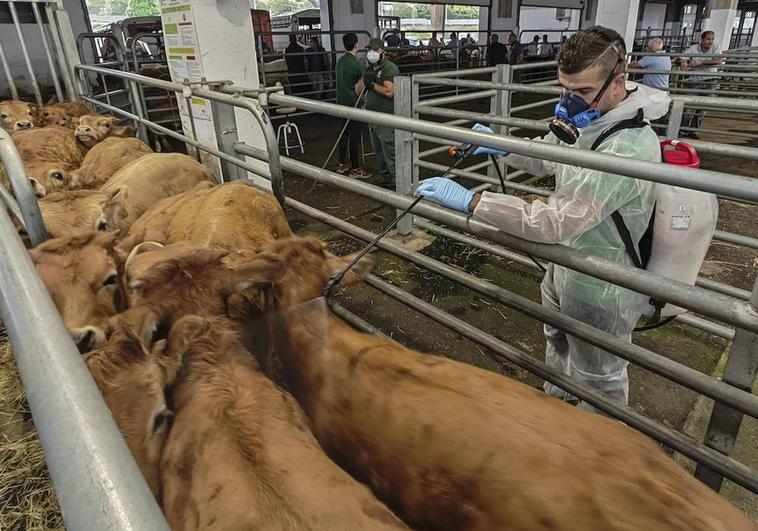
[[481, 150], [447, 193]]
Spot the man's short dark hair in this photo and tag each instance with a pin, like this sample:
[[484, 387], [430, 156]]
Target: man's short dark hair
[[584, 48], [706, 33], [293, 38], [495, 37], [349, 40]]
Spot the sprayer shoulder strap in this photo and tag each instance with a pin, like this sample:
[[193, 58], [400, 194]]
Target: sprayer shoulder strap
[[633, 123]]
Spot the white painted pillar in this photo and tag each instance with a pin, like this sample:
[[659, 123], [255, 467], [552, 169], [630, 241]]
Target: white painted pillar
[[619, 15], [210, 39], [719, 18], [754, 42], [357, 16]]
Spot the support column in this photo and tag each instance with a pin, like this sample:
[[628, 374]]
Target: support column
[[404, 150], [213, 41], [719, 17], [740, 371], [754, 42], [619, 15]]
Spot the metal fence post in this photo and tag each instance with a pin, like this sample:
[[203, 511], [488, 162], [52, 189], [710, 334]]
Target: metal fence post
[[675, 119], [22, 189], [96, 479], [225, 124], [500, 105], [404, 154], [415, 99], [740, 371]]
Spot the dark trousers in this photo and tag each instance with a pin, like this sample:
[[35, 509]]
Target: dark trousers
[[351, 141]]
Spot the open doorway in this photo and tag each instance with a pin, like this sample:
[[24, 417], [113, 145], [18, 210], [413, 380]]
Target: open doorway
[[420, 21]]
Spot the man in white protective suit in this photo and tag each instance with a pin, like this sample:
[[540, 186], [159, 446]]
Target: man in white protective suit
[[596, 96]]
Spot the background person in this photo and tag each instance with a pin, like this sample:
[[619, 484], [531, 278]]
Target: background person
[[534, 46], [294, 57], [319, 68], [349, 87], [497, 53], [660, 61], [545, 48], [707, 83], [379, 97], [591, 72], [516, 53]]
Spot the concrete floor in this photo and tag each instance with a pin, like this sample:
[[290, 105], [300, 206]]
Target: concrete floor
[[657, 397]]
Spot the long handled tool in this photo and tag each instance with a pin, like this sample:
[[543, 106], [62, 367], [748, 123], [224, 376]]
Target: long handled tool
[[337, 278], [344, 128]]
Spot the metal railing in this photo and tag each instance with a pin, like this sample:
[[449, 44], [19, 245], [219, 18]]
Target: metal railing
[[732, 393], [724, 308], [56, 37]]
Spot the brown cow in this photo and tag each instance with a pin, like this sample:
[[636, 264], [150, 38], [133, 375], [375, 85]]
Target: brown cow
[[81, 274], [94, 128], [145, 181], [64, 114], [49, 154], [233, 216], [240, 454], [17, 115], [71, 213], [132, 373], [104, 160], [451, 446]]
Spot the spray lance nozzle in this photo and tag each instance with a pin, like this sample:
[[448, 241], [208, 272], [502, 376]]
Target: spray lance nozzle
[[458, 151]]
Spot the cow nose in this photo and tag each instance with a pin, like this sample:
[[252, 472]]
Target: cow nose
[[84, 129], [23, 124], [84, 339]]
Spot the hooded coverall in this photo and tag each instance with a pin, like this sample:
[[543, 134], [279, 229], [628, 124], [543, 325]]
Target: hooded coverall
[[578, 215]]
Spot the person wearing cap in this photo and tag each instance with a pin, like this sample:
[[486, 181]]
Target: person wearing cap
[[377, 78]]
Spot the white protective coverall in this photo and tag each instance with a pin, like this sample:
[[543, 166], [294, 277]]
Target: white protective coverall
[[578, 215]]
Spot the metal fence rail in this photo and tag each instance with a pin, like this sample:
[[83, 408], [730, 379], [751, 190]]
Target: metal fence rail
[[732, 394], [96, 479], [55, 35]]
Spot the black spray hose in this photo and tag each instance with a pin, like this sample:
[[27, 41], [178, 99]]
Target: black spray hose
[[337, 278]]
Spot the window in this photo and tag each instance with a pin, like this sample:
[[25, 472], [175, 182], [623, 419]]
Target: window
[[505, 8], [356, 7]]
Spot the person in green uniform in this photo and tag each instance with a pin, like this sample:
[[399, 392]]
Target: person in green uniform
[[379, 97], [349, 87]]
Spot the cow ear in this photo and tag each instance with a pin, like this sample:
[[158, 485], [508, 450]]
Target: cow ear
[[263, 270], [184, 332], [122, 130], [145, 328], [357, 273], [108, 239]]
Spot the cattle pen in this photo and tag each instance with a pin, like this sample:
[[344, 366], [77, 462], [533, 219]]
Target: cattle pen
[[95, 477]]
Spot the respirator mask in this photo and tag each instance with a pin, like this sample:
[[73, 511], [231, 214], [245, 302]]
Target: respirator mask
[[373, 57], [573, 113]]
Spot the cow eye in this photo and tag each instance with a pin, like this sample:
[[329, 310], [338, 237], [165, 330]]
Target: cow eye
[[106, 125], [111, 281], [46, 114], [4, 115], [58, 176]]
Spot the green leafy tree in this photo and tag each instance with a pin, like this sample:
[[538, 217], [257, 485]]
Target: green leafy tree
[[276, 7], [462, 12], [140, 8]]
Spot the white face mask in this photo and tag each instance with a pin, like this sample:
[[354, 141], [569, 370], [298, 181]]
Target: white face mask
[[373, 56]]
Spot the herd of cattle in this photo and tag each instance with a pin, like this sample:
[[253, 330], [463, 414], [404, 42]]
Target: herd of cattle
[[248, 405]]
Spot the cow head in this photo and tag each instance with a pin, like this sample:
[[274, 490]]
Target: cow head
[[81, 273], [47, 177], [16, 115], [132, 373], [94, 128], [178, 279], [291, 271], [74, 212], [54, 115]]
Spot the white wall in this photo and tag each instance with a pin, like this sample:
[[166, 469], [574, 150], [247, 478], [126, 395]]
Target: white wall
[[619, 15], [654, 17], [501, 26], [543, 18], [11, 47], [345, 20]]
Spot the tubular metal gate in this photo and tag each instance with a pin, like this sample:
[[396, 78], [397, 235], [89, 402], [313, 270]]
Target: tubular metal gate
[[731, 394], [97, 481]]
